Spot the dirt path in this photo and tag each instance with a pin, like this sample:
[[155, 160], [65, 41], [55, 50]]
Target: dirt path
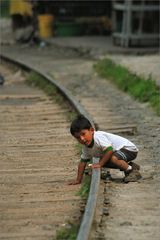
[[134, 209]]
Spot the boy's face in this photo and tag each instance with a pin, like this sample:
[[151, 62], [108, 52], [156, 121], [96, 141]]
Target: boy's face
[[85, 136]]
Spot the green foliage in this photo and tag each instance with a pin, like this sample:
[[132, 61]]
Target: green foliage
[[68, 233], [145, 90], [155, 102], [38, 81], [85, 187]]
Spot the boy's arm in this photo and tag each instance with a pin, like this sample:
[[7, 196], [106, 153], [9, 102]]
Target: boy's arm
[[81, 168], [106, 157]]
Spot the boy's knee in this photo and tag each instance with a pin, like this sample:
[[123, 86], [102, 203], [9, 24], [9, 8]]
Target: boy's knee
[[113, 163], [114, 159]]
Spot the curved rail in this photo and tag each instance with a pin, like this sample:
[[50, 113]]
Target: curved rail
[[88, 216], [90, 208]]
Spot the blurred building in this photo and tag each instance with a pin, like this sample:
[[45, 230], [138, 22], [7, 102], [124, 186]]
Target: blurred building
[[136, 22], [129, 22]]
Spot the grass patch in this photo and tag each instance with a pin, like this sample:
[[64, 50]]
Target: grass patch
[[145, 90], [85, 187], [69, 232]]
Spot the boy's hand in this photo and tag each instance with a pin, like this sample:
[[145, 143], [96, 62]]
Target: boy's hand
[[95, 165], [74, 182]]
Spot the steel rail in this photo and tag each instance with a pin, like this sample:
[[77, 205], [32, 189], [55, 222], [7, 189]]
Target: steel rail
[[87, 220], [86, 224]]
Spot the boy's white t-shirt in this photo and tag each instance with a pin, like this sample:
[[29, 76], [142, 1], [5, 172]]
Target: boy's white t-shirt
[[103, 140]]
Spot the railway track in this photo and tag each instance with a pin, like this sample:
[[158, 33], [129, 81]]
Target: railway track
[[37, 159], [113, 122]]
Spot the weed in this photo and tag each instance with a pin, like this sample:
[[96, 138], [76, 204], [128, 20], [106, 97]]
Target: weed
[[145, 90], [69, 232], [85, 187]]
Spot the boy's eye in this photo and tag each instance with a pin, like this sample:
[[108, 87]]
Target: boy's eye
[[83, 135]]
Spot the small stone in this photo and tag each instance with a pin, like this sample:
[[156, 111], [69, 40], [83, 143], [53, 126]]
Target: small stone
[[126, 223], [82, 209], [106, 201], [105, 211], [1, 79]]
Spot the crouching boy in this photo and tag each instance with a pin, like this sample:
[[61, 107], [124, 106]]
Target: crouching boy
[[113, 151]]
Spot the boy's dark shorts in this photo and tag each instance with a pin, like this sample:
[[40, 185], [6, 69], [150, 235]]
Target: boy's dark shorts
[[123, 154], [126, 155]]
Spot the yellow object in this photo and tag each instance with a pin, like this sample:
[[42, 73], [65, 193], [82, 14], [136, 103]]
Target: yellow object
[[45, 25], [20, 7]]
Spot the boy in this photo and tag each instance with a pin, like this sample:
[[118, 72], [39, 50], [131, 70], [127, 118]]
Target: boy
[[114, 151]]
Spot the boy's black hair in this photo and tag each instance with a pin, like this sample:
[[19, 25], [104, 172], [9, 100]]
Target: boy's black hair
[[80, 123]]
